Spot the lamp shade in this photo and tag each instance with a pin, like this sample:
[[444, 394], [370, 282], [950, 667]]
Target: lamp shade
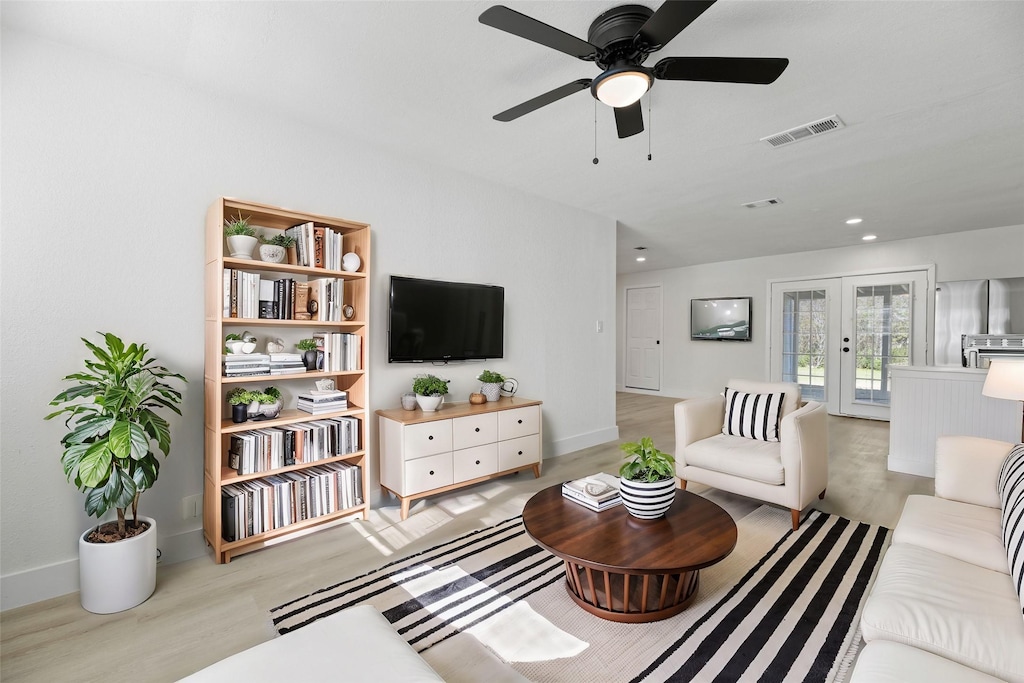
[[1005, 380], [621, 87]]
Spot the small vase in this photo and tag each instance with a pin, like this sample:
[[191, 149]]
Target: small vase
[[491, 390], [409, 401], [647, 499], [239, 413], [429, 404], [309, 359], [272, 253], [241, 246]]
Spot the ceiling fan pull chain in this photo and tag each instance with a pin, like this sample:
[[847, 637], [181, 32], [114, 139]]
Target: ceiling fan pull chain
[[650, 124], [595, 132]]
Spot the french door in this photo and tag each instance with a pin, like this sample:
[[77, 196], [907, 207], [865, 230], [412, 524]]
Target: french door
[[839, 338]]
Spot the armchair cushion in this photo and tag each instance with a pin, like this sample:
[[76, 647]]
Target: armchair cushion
[[754, 416], [757, 460]]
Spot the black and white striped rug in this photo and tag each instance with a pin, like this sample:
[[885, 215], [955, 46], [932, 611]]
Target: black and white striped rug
[[784, 606]]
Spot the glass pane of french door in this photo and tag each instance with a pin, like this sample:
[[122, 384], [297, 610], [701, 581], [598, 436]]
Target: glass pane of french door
[[882, 338], [804, 341]]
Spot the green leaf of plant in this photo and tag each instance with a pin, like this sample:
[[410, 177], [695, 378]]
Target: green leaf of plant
[[90, 427], [120, 439], [94, 467], [95, 505], [69, 461], [157, 428]]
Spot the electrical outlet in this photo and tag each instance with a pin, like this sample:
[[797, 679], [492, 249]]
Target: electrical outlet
[[192, 506]]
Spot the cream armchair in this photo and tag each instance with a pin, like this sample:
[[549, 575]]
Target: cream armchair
[[788, 472]]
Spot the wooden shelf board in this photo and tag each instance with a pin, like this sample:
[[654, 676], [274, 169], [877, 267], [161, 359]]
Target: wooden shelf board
[[276, 378], [246, 322], [286, 417], [315, 273], [230, 476], [291, 528]]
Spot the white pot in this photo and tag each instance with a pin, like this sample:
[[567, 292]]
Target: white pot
[[241, 246], [273, 253], [647, 499], [429, 404], [491, 390], [117, 576]]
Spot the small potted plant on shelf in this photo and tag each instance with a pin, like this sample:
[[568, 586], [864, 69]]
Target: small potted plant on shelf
[[241, 237], [309, 354], [110, 455], [239, 399], [275, 249], [648, 484], [491, 387], [266, 404], [430, 391]]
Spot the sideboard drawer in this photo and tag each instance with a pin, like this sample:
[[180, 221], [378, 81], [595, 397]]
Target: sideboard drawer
[[431, 472], [518, 452], [427, 438], [479, 461], [518, 422], [474, 430]]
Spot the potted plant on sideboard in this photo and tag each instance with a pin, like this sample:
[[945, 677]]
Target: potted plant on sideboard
[[109, 454], [491, 384], [241, 237], [430, 391], [648, 484]]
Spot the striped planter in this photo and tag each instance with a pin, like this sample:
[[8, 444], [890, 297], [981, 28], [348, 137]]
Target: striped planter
[[647, 499]]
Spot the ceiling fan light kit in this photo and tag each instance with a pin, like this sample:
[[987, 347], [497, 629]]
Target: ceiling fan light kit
[[619, 41]]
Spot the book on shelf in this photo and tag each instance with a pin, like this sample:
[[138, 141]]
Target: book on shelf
[[323, 396], [318, 247]]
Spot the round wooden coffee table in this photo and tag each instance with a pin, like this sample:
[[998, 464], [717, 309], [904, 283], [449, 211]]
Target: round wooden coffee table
[[621, 568]]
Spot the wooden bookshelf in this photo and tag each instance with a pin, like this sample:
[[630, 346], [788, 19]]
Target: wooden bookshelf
[[218, 427]]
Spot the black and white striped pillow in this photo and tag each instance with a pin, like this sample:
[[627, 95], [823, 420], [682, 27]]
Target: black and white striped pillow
[[755, 416], [1011, 495]]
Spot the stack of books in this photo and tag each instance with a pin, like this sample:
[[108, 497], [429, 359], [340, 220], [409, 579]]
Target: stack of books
[[597, 492], [245, 364], [319, 402], [286, 364]]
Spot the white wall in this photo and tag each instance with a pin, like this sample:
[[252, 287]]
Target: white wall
[[691, 368], [108, 172]]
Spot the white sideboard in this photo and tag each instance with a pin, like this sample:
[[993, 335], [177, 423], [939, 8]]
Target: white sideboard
[[425, 453], [928, 401]]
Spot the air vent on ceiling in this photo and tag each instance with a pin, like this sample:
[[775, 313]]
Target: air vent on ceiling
[[763, 202], [805, 131]]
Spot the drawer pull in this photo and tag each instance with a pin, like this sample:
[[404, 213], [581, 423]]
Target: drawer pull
[[431, 471], [477, 429], [477, 462], [430, 438], [520, 422]]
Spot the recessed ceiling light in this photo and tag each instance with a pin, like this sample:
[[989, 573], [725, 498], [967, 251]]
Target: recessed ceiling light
[[641, 259], [853, 221], [868, 238]]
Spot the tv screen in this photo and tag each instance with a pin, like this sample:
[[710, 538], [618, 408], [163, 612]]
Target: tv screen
[[725, 319], [431, 320]]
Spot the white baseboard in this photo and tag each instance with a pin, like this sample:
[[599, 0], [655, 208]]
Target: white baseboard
[[61, 578], [581, 441], [669, 392]]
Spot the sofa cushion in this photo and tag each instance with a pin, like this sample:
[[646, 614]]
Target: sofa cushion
[[948, 607], [757, 460], [754, 416], [885, 661], [967, 532], [1010, 483]]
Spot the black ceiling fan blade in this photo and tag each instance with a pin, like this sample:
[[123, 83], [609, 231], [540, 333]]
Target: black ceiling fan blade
[[669, 19], [510, 21], [629, 120], [759, 70], [542, 100]]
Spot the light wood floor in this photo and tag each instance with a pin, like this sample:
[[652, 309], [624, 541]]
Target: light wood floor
[[202, 612]]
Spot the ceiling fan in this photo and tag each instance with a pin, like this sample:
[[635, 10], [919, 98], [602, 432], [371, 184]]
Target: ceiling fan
[[619, 41]]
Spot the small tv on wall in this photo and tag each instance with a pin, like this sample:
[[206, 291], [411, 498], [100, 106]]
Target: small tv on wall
[[433, 320], [722, 319]]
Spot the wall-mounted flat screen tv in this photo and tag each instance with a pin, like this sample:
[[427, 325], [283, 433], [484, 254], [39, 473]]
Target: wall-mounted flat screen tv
[[432, 320], [724, 319]]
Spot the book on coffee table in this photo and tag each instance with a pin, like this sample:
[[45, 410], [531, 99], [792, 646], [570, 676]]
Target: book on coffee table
[[598, 491]]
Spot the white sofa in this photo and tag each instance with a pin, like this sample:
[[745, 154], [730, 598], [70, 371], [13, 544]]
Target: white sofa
[[791, 472], [356, 644], [943, 606]]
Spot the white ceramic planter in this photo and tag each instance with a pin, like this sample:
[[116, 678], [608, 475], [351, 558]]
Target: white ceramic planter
[[241, 246], [117, 576], [273, 253], [491, 390], [647, 500], [429, 404]]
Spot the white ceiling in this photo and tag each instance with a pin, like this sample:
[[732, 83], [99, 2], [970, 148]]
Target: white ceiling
[[932, 94]]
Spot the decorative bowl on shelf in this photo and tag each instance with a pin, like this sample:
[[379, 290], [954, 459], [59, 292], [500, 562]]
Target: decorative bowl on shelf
[[351, 261]]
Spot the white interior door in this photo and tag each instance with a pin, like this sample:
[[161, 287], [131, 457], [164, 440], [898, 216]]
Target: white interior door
[[884, 325], [838, 338], [643, 338]]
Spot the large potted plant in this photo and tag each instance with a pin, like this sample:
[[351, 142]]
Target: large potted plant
[[648, 484], [109, 454], [430, 391]]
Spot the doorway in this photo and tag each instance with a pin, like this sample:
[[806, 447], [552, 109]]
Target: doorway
[[643, 338], [839, 338]]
